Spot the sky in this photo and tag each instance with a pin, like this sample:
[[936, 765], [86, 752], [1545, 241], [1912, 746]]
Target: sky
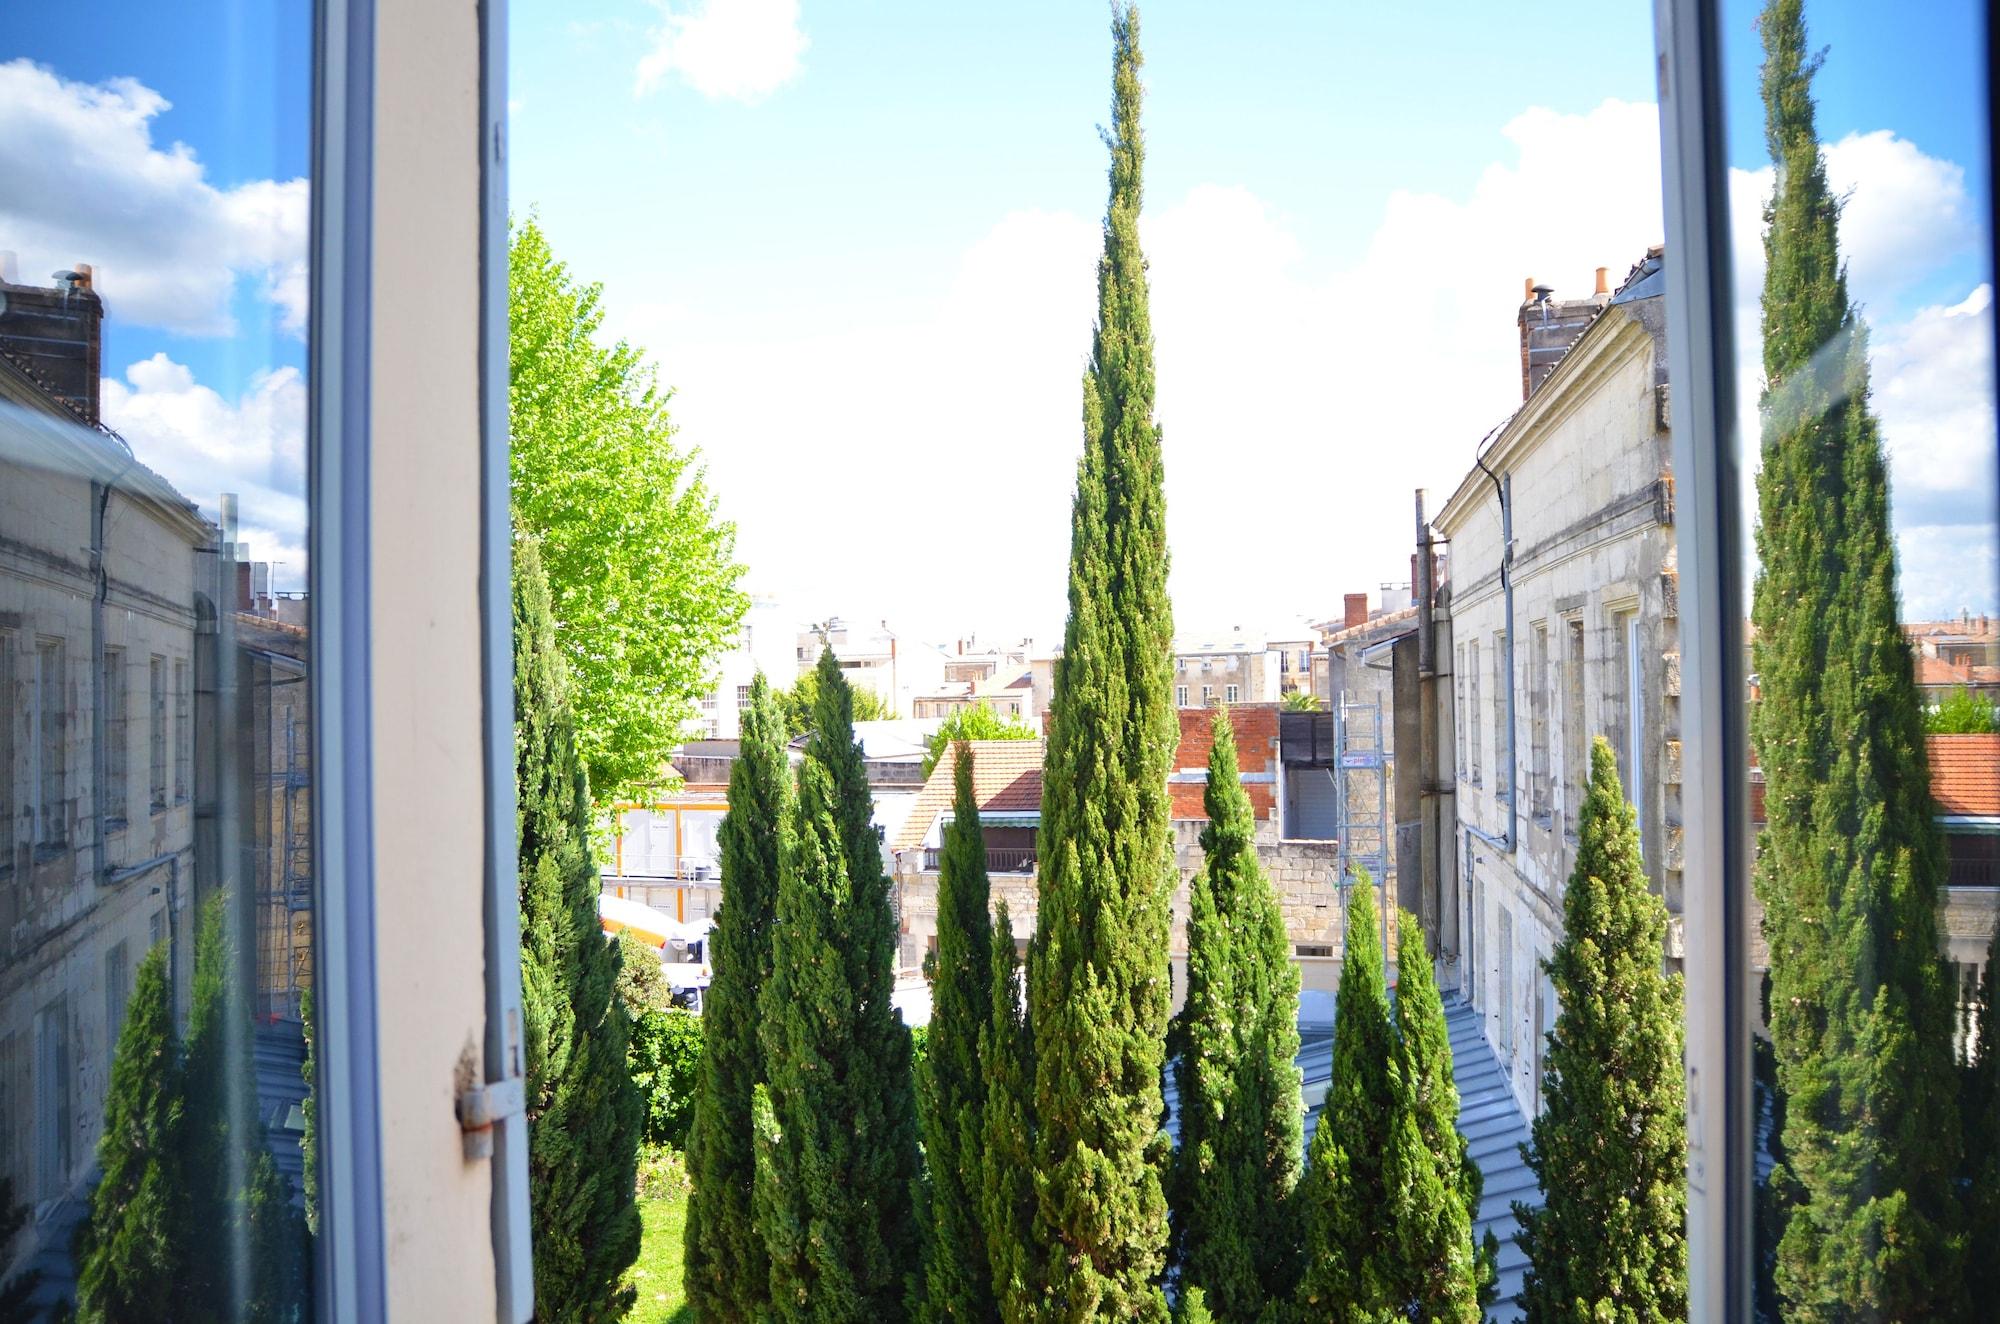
[[858, 242]]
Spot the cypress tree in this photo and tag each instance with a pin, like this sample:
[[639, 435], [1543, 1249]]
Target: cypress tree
[[827, 1259], [1444, 1273], [951, 1086], [1851, 863], [1351, 1270], [1981, 1110], [131, 1251], [1237, 1077], [1610, 1146], [727, 1272], [584, 1113], [1098, 974], [1007, 1203]]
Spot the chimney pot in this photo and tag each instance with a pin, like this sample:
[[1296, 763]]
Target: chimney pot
[[1528, 290], [83, 273], [1356, 609], [1603, 284]]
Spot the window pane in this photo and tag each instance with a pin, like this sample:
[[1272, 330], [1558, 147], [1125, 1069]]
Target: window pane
[[156, 881], [1860, 240]]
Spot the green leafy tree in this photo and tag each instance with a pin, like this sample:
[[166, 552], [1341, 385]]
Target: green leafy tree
[[309, 1111], [1352, 1270], [664, 1057], [951, 1085], [1850, 863], [1098, 973], [801, 702], [1301, 701], [1960, 713], [17, 1292], [727, 1271], [979, 722], [836, 1177], [1446, 1276], [1007, 1203], [584, 1112], [642, 985], [1981, 1109], [1237, 1075], [641, 569], [249, 1261], [1610, 1146], [132, 1251]]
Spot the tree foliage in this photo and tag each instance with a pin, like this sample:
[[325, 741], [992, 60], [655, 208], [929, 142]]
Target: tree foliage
[[979, 722], [1850, 862], [1960, 713], [664, 1058], [1980, 1096], [727, 1271], [1007, 1142], [1237, 1076], [584, 1112], [1097, 973], [801, 702], [1351, 1269], [1610, 1146], [951, 1085], [18, 1291], [1301, 701], [641, 569], [837, 1144]]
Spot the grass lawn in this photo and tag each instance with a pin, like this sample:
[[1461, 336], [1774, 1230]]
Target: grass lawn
[[657, 1275]]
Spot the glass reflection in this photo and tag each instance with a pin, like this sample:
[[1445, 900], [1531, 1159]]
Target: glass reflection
[[156, 870]]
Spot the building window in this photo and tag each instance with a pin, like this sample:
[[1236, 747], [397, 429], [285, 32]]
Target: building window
[[117, 987], [10, 707], [1229, 694], [1630, 734], [52, 1100], [1207, 696], [183, 732], [1474, 743], [1576, 747], [156, 780], [1538, 725], [117, 740], [1180, 696], [1458, 725], [1504, 1002], [1503, 768], [1312, 949], [49, 732], [742, 697]]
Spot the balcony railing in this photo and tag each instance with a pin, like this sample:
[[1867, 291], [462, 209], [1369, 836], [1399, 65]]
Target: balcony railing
[[999, 859]]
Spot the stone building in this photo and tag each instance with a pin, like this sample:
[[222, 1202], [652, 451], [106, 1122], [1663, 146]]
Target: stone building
[[109, 585], [1559, 625], [1233, 669]]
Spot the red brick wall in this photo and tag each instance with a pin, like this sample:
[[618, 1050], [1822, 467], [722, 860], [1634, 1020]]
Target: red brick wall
[[1256, 727]]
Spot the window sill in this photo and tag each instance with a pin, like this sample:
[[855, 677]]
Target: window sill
[[112, 825]]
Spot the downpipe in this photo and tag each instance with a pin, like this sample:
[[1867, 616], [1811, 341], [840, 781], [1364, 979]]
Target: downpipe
[[1504, 489]]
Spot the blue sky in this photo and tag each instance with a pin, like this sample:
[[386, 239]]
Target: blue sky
[[857, 240]]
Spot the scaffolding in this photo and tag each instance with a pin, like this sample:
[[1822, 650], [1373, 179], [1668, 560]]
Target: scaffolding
[[1361, 802]]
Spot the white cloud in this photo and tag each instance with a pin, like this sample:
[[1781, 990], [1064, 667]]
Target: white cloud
[[743, 50], [206, 444], [87, 183]]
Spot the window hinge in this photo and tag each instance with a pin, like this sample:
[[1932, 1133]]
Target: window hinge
[[483, 1105]]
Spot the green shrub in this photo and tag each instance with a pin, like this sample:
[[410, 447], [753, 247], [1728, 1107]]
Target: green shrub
[[664, 1055]]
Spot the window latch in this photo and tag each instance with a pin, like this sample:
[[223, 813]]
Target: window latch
[[481, 1106]]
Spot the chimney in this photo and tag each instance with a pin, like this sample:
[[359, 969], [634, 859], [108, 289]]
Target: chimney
[[1356, 605], [83, 273], [1603, 284]]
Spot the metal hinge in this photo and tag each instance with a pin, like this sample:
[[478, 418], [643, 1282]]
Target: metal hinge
[[483, 1105]]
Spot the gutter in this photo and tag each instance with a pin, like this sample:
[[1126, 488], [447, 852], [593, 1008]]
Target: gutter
[[172, 859], [1503, 487]]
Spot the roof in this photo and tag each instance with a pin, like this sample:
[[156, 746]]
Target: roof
[[1388, 623], [1006, 779], [1965, 775], [1936, 672]]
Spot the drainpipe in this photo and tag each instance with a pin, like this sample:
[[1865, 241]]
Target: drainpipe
[[172, 859], [1504, 489]]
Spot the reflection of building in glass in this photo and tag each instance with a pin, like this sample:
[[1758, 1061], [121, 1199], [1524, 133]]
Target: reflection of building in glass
[[107, 581]]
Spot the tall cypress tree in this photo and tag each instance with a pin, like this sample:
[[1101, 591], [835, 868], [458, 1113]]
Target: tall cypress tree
[[1007, 1196], [1098, 974], [1851, 862], [584, 1113], [132, 1252], [727, 1271], [1444, 1273], [1351, 1270], [827, 1260], [1237, 1078], [1610, 1146], [951, 1085], [1981, 1110]]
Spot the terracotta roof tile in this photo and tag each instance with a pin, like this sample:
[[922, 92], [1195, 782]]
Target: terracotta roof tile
[[1965, 774], [1006, 779]]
